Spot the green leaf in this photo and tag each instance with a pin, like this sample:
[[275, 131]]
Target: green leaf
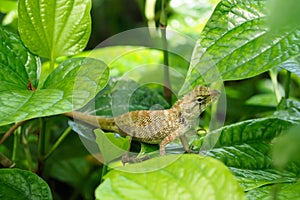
[[289, 109], [190, 16], [262, 100], [69, 87], [55, 28], [237, 43], [292, 65], [18, 66], [8, 5], [171, 177], [246, 148], [20, 184], [72, 84], [284, 14], [139, 98], [124, 59], [111, 147], [285, 150], [279, 191], [252, 179]]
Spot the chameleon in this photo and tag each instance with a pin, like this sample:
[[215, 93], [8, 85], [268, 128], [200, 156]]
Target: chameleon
[[157, 126]]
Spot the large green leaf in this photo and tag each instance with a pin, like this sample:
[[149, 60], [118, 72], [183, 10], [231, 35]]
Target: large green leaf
[[72, 84], [20, 184], [8, 5], [174, 177], [280, 191], [237, 43], [55, 28], [246, 147], [18, 66]]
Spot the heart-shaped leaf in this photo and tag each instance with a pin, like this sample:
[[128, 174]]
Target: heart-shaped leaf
[[70, 86], [55, 28], [21, 184]]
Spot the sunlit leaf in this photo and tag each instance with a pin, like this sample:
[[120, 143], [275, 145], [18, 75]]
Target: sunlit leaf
[[55, 28], [8, 5], [237, 43], [71, 85], [171, 179]]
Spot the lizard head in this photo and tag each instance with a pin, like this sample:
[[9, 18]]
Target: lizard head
[[196, 101]]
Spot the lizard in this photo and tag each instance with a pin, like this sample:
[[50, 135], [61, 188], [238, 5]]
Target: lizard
[[157, 126]]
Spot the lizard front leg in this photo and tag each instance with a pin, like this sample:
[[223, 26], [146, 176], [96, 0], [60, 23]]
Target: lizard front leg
[[180, 132], [185, 143], [167, 140]]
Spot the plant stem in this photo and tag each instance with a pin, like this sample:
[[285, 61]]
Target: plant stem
[[163, 27], [27, 153], [58, 142], [11, 131], [273, 75], [52, 63], [17, 136], [103, 172], [42, 138], [287, 85]]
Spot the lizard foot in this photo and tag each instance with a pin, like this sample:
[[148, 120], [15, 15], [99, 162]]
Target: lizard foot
[[192, 151], [133, 159]]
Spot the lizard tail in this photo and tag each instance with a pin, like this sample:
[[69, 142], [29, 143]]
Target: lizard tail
[[104, 123]]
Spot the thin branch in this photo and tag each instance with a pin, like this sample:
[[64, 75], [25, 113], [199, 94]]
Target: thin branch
[[58, 142], [11, 131], [163, 27]]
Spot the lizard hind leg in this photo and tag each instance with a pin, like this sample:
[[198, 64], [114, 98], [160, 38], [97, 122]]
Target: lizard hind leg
[[132, 158]]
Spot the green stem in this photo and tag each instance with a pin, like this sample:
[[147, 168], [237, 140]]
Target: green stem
[[17, 136], [11, 131], [52, 63], [58, 142], [273, 75], [163, 27], [287, 85], [42, 138], [27, 153], [104, 171]]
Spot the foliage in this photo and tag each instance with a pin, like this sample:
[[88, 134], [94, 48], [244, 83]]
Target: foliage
[[44, 72], [168, 173], [26, 185]]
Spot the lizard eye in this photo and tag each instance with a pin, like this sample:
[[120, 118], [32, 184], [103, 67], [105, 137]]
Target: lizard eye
[[201, 99]]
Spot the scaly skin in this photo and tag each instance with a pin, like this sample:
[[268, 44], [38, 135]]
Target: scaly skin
[[157, 126]]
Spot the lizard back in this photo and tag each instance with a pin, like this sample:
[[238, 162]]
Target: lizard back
[[147, 126]]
